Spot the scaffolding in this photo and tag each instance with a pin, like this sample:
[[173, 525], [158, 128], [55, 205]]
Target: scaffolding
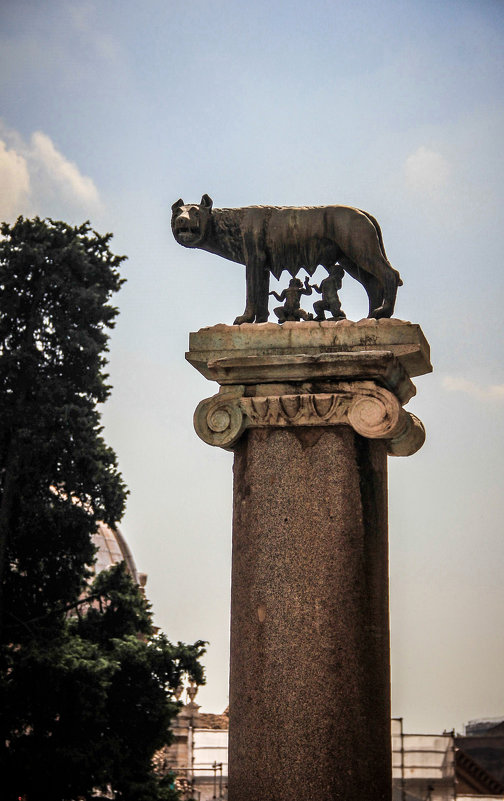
[[423, 765], [186, 776]]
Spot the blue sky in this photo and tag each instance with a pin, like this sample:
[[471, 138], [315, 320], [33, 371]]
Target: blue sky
[[111, 111]]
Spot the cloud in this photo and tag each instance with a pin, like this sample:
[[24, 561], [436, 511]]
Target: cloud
[[63, 173], [36, 178], [481, 393], [426, 172], [14, 182]]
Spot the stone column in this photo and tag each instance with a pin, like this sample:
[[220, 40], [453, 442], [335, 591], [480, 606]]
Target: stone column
[[311, 411]]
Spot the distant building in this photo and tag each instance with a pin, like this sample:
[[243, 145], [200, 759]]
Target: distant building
[[483, 742], [112, 549], [439, 767], [426, 767], [199, 753]]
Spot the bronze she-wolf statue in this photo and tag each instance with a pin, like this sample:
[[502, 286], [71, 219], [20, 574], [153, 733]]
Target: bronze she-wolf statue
[[275, 238]]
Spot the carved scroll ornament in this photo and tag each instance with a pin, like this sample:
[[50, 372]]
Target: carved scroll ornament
[[371, 410]]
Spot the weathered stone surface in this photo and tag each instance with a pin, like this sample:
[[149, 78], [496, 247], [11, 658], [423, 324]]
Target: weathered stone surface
[[371, 411], [380, 366], [309, 684], [261, 386], [403, 339]]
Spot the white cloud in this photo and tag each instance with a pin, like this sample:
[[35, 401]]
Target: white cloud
[[65, 174], [426, 171], [14, 183], [36, 178], [482, 393]]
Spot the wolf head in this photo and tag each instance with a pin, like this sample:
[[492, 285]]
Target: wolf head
[[190, 221]]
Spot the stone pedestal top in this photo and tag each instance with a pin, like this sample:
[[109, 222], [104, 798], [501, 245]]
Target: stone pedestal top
[[311, 374], [404, 340], [318, 369]]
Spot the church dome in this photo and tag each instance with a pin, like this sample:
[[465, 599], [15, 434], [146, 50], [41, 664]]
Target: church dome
[[112, 549]]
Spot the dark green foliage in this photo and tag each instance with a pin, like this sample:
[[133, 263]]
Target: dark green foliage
[[87, 709], [86, 686], [55, 285]]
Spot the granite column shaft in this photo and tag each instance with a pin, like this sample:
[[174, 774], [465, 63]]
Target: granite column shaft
[[310, 679]]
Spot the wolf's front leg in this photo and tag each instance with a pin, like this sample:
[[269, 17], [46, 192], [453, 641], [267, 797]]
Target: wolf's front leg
[[256, 307], [248, 315]]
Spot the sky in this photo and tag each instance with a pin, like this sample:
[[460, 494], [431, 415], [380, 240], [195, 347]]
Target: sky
[[111, 111]]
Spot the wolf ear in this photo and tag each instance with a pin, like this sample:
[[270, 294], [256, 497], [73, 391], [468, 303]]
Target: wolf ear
[[178, 203], [206, 202]]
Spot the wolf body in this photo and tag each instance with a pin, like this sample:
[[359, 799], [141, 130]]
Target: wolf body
[[270, 239]]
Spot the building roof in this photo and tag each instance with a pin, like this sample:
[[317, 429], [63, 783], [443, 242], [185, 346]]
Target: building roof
[[486, 726], [474, 775], [207, 720], [112, 549]]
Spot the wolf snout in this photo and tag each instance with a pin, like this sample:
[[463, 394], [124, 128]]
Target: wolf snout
[[182, 221]]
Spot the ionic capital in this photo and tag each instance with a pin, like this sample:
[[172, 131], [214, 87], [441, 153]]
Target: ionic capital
[[311, 374], [371, 410]]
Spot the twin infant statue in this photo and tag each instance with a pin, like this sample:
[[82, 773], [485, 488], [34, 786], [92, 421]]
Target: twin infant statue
[[329, 287]]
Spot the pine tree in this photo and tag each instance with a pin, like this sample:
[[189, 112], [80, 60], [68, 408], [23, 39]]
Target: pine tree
[[85, 683]]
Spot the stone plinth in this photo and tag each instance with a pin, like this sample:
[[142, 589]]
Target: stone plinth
[[404, 340], [311, 427]]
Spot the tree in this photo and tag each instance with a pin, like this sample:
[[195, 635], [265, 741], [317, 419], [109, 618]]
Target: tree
[[86, 696]]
